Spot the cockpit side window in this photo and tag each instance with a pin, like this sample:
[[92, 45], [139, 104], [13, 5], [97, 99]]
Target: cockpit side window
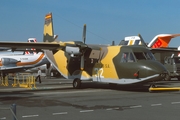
[[124, 57], [127, 57], [139, 55]]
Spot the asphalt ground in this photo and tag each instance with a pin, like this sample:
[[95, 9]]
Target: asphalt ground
[[55, 99]]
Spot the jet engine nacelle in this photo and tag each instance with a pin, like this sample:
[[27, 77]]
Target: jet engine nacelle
[[72, 50], [7, 61]]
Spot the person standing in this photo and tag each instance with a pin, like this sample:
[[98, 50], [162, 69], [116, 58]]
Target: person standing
[[38, 75]]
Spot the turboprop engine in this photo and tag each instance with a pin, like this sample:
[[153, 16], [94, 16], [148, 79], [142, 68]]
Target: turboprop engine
[[72, 51], [8, 61]]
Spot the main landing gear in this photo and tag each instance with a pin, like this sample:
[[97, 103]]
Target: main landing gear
[[77, 83]]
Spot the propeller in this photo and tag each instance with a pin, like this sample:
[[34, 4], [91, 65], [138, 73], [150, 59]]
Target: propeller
[[84, 34], [84, 40]]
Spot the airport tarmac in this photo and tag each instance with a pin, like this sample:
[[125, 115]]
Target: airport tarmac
[[55, 99]]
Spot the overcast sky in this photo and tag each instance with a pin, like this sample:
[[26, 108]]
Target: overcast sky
[[106, 20]]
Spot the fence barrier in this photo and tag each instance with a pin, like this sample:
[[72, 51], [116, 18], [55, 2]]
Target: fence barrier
[[26, 81]]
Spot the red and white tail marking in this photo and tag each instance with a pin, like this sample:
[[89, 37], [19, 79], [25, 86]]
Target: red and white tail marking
[[162, 40]]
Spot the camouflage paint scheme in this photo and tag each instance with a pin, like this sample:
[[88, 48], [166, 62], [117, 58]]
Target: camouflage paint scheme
[[102, 63]]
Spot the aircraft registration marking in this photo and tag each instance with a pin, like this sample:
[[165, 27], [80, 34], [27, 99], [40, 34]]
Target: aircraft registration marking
[[23, 58], [102, 66], [99, 72]]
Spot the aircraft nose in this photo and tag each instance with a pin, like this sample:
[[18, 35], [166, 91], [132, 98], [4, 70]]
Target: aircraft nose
[[156, 68]]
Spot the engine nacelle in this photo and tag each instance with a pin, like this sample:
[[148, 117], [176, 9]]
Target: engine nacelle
[[7, 61], [72, 50]]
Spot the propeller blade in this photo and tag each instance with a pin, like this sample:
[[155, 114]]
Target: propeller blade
[[84, 40], [84, 34], [82, 62]]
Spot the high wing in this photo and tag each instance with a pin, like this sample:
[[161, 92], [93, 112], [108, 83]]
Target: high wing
[[18, 46], [40, 46]]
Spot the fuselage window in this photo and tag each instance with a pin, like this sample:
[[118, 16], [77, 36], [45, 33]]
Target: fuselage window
[[139, 55]]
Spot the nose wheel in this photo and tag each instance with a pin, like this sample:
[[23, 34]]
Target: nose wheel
[[167, 77], [152, 86], [76, 83]]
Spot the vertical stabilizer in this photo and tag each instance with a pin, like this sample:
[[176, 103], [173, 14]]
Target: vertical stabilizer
[[162, 40], [48, 35]]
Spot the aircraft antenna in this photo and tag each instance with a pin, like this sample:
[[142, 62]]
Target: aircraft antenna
[[142, 41]]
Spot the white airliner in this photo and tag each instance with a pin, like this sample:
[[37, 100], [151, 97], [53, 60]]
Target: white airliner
[[12, 62]]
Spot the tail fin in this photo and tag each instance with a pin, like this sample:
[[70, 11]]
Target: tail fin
[[162, 40], [48, 29]]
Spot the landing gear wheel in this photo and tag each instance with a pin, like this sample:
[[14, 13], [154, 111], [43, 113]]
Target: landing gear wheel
[[77, 83], [152, 86], [167, 78]]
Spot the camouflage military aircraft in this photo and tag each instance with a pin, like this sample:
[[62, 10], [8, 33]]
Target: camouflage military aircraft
[[79, 61]]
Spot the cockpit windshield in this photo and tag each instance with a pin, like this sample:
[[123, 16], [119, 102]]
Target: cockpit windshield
[[132, 57], [139, 55], [144, 56], [149, 56]]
